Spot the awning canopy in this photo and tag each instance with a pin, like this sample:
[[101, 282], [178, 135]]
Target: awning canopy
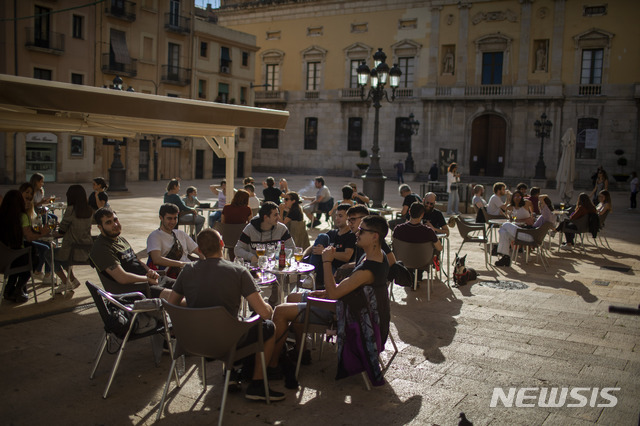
[[30, 105]]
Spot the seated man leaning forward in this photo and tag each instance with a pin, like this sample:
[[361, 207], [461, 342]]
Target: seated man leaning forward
[[218, 282], [113, 257], [433, 218], [169, 248], [322, 196], [369, 276]]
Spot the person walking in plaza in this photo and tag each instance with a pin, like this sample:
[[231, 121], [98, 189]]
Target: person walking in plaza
[[399, 166], [433, 172], [602, 183], [634, 187], [453, 179], [215, 281]]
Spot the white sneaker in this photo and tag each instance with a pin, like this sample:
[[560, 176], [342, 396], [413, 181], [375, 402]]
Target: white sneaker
[[47, 278], [38, 275]]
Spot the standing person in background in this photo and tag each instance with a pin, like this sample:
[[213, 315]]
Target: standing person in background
[[634, 187], [433, 172], [99, 198], [270, 192], [399, 166], [453, 178]]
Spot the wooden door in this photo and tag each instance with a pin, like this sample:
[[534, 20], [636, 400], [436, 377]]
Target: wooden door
[[488, 142]]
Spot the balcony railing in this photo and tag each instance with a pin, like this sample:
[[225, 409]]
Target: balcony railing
[[122, 10], [350, 93], [270, 96], [311, 94], [539, 89], [404, 93], [51, 42], [488, 90], [110, 66], [175, 75], [176, 23], [589, 90]]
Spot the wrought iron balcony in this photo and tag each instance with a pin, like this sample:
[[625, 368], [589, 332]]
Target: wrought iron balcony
[[177, 23], [589, 90], [175, 75], [48, 42], [110, 66], [267, 96], [122, 10]]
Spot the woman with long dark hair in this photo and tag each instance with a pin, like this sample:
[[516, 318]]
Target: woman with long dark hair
[[75, 228], [13, 215], [99, 198], [292, 216], [517, 209]]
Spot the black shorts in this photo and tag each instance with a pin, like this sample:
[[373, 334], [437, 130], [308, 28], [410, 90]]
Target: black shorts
[[268, 330]]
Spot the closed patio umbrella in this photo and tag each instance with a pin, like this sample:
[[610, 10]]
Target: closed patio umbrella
[[567, 167]]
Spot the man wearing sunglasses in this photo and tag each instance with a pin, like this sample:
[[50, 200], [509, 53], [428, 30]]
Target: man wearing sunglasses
[[433, 218]]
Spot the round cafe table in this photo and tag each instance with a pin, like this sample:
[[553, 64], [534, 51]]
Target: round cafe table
[[262, 279], [294, 269], [493, 224]]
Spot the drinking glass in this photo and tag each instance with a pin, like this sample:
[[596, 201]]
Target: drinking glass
[[53, 198], [263, 262], [271, 252], [260, 250], [287, 254], [37, 224], [51, 223], [297, 254], [561, 206], [238, 260]]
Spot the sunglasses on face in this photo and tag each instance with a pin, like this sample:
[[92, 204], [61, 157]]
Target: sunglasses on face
[[366, 230]]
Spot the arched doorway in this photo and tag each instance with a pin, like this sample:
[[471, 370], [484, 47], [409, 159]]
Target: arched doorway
[[488, 141]]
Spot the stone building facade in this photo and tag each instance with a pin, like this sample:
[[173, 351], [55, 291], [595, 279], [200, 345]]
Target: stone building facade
[[168, 48], [476, 75]]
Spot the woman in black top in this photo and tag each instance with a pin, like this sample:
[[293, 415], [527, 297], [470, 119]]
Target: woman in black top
[[98, 198], [290, 208]]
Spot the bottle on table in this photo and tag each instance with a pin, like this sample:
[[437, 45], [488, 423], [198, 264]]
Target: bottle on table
[[282, 258]]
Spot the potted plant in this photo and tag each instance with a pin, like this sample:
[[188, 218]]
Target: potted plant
[[363, 154], [622, 162]]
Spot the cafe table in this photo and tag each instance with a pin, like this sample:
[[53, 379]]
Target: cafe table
[[493, 224], [296, 268]]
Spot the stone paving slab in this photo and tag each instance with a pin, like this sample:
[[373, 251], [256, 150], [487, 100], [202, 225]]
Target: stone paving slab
[[454, 350]]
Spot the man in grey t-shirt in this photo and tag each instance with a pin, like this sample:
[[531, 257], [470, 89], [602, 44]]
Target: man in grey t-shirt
[[322, 196], [215, 281]]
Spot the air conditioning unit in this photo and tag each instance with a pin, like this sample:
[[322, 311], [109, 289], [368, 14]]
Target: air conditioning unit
[[225, 70]]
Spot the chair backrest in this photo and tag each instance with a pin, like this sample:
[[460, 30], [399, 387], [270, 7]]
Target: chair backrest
[[465, 227], [413, 255], [79, 254], [207, 332], [538, 234], [114, 287], [109, 312], [326, 206], [8, 255], [603, 218], [298, 232], [231, 233], [488, 216]]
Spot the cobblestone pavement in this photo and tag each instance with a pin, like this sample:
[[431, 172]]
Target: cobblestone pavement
[[454, 350]]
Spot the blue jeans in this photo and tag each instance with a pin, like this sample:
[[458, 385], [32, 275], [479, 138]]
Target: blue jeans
[[316, 259], [454, 201], [44, 257], [214, 217]]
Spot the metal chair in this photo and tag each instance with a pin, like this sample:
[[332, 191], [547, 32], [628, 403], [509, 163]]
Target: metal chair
[[538, 235], [309, 327], [230, 235], [120, 319], [298, 232], [7, 257], [211, 333], [468, 232], [418, 256], [601, 234]]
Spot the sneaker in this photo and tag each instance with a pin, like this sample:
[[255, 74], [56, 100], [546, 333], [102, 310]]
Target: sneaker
[[38, 275], [566, 246], [316, 222], [47, 278], [255, 392], [504, 261]]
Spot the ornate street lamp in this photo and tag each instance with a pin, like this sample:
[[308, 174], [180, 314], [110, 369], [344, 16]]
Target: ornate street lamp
[[412, 129], [380, 74], [543, 130], [117, 172]]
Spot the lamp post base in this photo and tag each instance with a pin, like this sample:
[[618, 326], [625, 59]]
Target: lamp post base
[[373, 187], [408, 163], [118, 179], [541, 170]]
